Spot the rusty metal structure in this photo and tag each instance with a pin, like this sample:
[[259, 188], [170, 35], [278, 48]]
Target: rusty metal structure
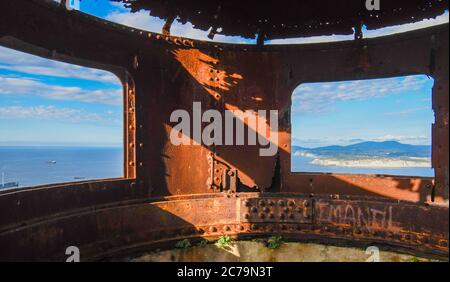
[[173, 192]]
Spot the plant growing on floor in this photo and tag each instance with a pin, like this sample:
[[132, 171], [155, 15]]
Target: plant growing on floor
[[413, 259], [274, 242], [224, 241], [183, 244]]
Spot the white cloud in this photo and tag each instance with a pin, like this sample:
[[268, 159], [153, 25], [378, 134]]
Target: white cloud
[[420, 139], [321, 97], [52, 113], [407, 112], [408, 27], [27, 86], [144, 21], [368, 33], [16, 61]]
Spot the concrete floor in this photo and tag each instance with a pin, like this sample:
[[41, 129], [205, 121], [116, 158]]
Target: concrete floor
[[256, 251]]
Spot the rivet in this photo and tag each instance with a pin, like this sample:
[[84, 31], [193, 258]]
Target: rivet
[[281, 203], [262, 215], [262, 203], [240, 228], [131, 145], [247, 203], [271, 203], [291, 203], [131, 163], [247, 216], [282, 215], [271, 215], [212, 229], [226, 228], [254, 226], [254, 209], [266, 209], [291, 215]]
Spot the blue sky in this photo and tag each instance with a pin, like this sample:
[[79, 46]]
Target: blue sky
[[43, 102], [366, 110]]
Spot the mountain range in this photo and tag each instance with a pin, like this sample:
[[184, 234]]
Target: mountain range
[[391, 149]]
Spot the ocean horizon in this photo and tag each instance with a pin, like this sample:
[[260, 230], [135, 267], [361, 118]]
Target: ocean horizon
[[45, 164], [51, 164]]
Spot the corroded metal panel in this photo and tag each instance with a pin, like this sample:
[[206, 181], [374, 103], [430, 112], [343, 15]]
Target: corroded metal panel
[[164, 200], [121, 229]]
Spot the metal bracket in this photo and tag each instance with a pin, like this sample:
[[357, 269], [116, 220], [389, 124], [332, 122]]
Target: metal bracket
[[222, 177]]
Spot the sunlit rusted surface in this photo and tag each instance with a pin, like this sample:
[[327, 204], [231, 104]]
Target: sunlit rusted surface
[[167, 193]]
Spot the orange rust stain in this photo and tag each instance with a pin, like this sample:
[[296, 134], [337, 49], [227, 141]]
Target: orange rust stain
[[204, 69]]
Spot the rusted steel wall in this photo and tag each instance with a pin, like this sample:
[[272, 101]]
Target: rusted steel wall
[[162, 74], [122, 229]]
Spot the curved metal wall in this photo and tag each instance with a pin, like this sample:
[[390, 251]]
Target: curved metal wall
[[167, 192]]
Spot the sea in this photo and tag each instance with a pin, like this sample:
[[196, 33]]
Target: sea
[[31, 166], [303, 164]]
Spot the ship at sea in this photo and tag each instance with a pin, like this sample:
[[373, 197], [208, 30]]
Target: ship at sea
[[4, 185]]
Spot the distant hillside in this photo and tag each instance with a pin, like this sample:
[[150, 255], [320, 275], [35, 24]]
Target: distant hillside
[[370, 148]]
